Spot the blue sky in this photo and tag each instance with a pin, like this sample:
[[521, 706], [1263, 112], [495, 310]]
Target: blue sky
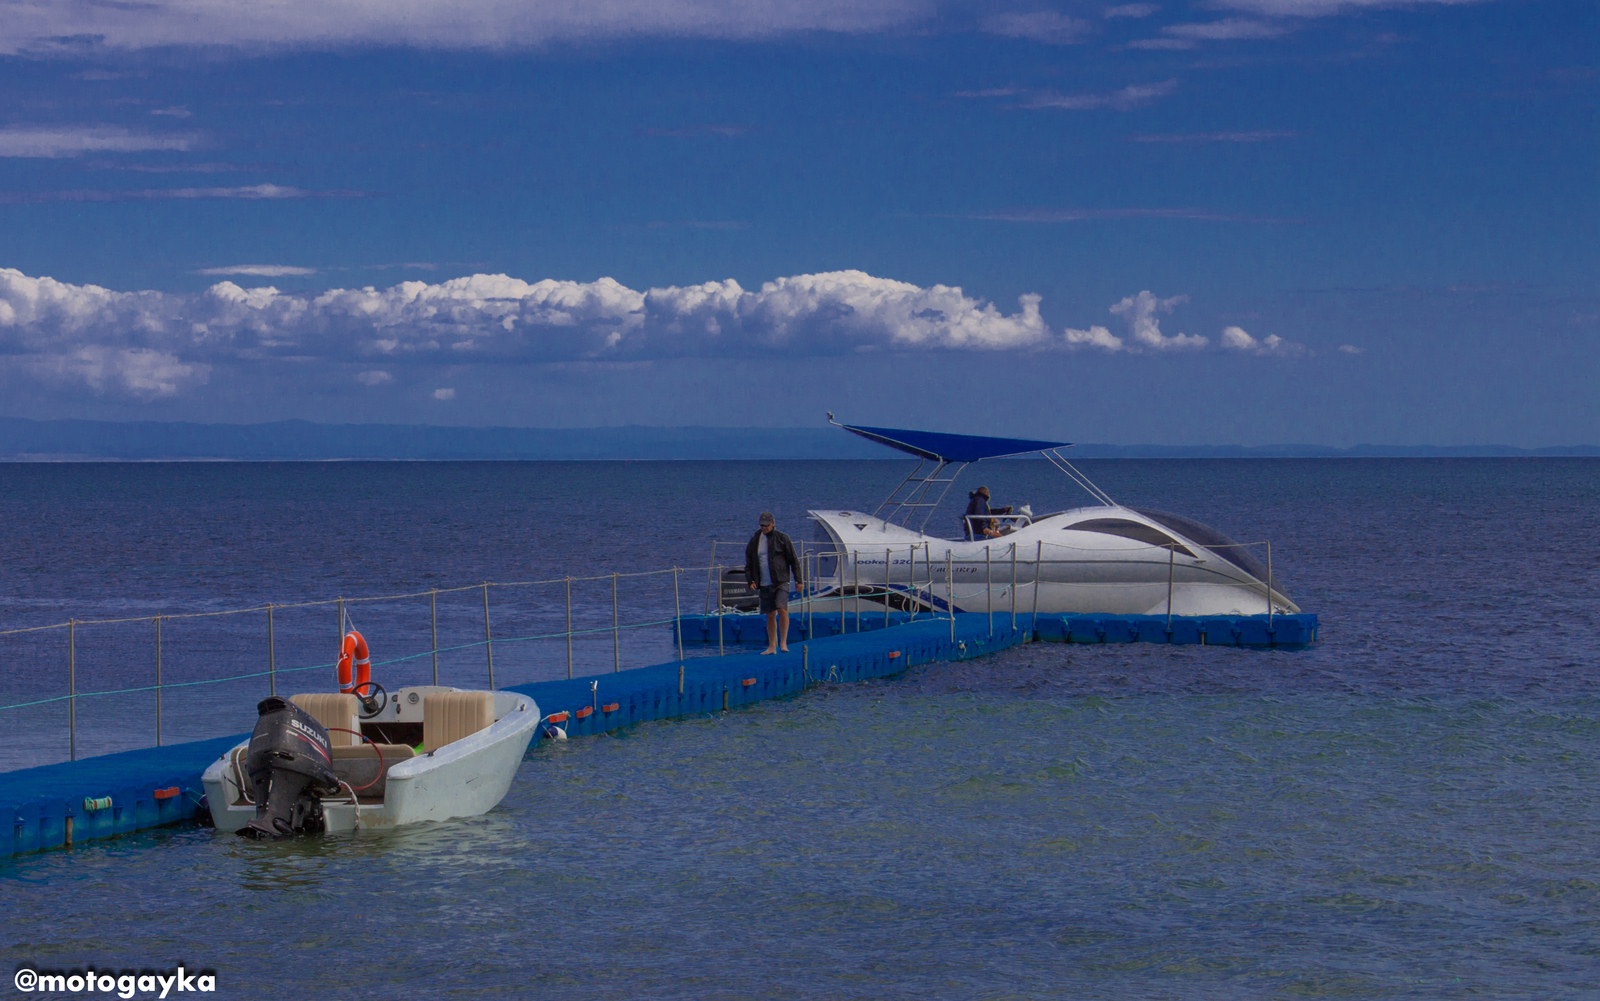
[[1243, 221]]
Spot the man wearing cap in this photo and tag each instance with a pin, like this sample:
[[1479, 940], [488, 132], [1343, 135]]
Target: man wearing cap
[[978, 512], [769, 563]]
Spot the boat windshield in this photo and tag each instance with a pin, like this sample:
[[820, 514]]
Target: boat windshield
[[1221, 545]]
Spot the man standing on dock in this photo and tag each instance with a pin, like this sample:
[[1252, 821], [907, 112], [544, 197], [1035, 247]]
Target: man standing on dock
[[769, 562]]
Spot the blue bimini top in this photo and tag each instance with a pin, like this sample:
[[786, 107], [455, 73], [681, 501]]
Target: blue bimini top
[[942, 447]]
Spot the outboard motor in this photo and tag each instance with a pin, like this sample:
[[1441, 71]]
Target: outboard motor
[[288, 761]]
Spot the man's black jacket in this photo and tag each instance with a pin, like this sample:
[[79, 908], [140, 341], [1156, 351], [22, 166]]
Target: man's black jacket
[[780, 551]]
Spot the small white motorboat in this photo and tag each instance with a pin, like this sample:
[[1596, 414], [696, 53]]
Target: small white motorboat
[[336, 761], [1106, 558]]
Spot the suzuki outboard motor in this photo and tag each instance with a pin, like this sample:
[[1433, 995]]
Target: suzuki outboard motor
[[288, 761]]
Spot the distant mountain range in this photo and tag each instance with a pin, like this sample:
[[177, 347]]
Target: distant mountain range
[[67, 440]]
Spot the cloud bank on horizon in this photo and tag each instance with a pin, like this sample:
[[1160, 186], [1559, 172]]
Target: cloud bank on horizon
[[506, 24], [151, 344]]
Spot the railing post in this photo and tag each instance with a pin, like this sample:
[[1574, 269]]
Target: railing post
[[1172, 552], [433, 619], [341, 627], [569, 628], [1038, 566], [911, 580], [855, 566], [488, 638], [272, 656], [1269, 586], [616, 632], [72, 690], [158, 681], [718, 571], [1013, 586], [677, 619], [711, 579], [988, 574], [950, 589], [886, 560]]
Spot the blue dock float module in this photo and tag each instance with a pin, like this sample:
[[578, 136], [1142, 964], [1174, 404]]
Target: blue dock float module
[[54, 805]]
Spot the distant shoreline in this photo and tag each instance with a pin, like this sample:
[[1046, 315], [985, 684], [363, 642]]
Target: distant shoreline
[[25, 440]]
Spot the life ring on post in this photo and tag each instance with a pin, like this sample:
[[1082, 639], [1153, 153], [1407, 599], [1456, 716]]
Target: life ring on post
[[354, 654]]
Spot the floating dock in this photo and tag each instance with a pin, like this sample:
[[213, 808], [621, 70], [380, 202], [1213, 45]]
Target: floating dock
[[61, 804]]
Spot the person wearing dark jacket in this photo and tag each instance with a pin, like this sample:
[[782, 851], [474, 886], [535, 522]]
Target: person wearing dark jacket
[[769, 564], [978, 511]]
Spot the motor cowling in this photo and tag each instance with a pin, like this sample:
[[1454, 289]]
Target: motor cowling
[[288, 762]]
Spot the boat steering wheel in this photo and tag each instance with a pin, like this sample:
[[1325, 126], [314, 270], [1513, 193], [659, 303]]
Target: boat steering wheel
[[370, 703]]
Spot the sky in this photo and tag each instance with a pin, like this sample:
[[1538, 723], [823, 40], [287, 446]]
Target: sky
[[1218, 222]]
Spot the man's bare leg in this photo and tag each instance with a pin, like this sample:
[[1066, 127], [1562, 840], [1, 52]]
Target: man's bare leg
[[772, 631], [783, 630]]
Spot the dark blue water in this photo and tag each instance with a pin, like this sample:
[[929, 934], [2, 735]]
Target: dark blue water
[[1406, 810]]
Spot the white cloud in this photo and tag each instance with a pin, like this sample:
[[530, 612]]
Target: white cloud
[[444, 394], [1125, 99], [176, 111], [258, 270], [75, 140], [253, 192], [1236, 339], [376, 377], [1314, 8], [1094, 337], [1045, 26], [474, 24], [1131, 10], [136, 372], [1351, 349], [1188, 36], [1144, 329]]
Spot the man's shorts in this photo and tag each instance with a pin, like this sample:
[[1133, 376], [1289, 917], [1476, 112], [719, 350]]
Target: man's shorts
[[774, 598]]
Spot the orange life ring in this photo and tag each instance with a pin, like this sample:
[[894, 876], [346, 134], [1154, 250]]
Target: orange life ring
[[355, 654]]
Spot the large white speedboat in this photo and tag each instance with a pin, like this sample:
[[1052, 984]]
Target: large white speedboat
[[1105, 558], [335, 762]]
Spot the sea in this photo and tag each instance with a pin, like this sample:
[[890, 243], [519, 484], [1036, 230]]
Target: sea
[[1407, 809]]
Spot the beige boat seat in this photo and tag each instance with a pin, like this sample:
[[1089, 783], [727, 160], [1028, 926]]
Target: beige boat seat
[[449, 716], [333, 709], [358, 766]]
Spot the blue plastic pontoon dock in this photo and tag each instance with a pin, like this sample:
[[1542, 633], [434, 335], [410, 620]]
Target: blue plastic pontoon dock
[[55, 805]]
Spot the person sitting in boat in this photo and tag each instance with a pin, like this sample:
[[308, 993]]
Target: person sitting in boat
[[991, 529], [977, 508]]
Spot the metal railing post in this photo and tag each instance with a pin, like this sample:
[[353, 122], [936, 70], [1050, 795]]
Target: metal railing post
[[72, 689], [988, 574], [718, 571], [488, 637], [855, 566], [886, 562], [1038, 566], [158, 681], [841, 590], [1013, 586], [1269, 586], [950, 590], [616, 631], [677, 619], [911, 579], [433, 620], [341, 625], [272, 656], [711, 579], [569, 628], [1172, 552]]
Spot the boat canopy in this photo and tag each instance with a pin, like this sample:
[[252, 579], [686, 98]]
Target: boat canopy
[[940, 447]]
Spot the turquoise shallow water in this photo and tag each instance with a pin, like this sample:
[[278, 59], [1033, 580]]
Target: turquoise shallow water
[[1406, 810]]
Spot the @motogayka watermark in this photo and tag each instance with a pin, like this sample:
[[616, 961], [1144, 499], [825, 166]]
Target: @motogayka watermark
[[122, 984]]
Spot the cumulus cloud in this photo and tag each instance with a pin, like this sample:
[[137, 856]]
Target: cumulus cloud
[[444, 394], [1351, 349], [254, 192], [376, 377], [1144, 329], [473, 24], [1045, 26], [54, 141], [1126, 99], [1236, 339], [156, 343], [258, 270], [1185, 138]]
